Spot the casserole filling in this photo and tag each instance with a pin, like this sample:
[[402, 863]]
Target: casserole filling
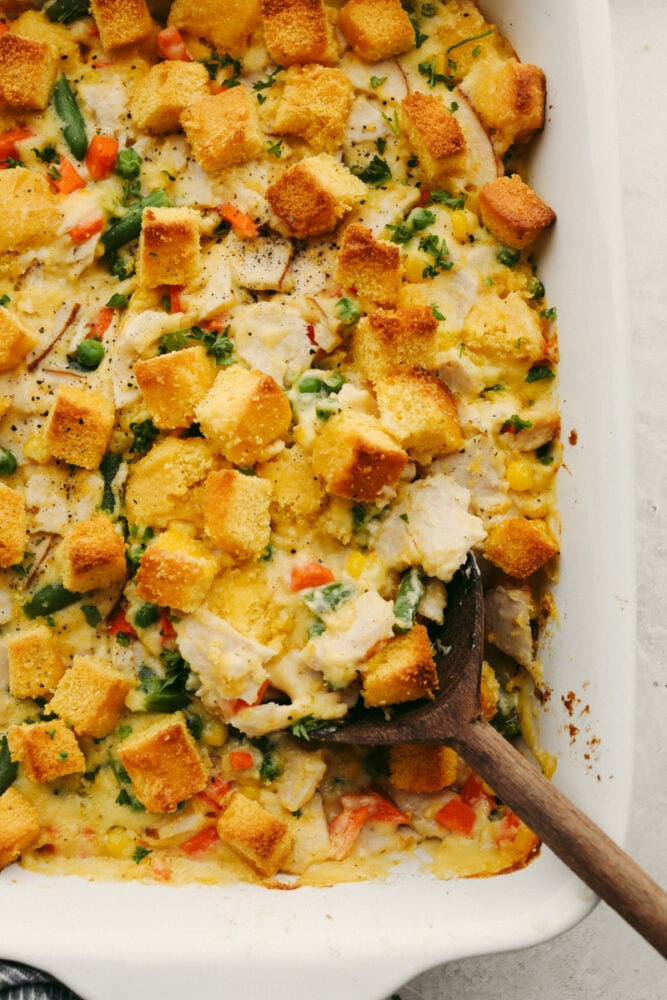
[[274, 357]]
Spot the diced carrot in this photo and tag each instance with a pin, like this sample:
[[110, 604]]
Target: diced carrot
[[379, 810], [216, 323], [473, 792], [239, 703], [167, 630], [175, 304], [344, 830], [9, 139], [119, 623], [160, 867], [84, 230], [312, 574], [101, 156], [457, 816], [3, 27], [65, 178], [217, 790], [508, 828], [101, 324], [240, 760], [170, 45], [201, 842], [243, 225]]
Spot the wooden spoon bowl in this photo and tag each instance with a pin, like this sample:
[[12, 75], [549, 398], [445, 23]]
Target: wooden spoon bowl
[[453, 717]]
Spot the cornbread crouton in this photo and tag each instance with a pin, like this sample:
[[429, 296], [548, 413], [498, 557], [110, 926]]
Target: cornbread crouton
[[27, 72], [467, 37], [512, 211], [510, 102], [376, 29], [504, 327], [313, 196], [173, 384], [419, 410], [489, 691], [299, 31], [369, 268], [402, 670], [167, 90], [519, 546], [34, 25], [176, 571], [434, 135], [91, 696], [224, 129], [164, 485], [19, 826], [92, 555], [236, 512], [414, 767], [164, 764], [15, 341], [297, 492], [35, 663], [13, 526], [389, 339], [168, 247], [244, 415], [30, 212], [79, 426], [47, 750], [121, 22], [228, 24], [315, 104], [257, 835], [356, 457]]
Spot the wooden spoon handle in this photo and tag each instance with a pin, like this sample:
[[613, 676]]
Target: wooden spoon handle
[[570, 834]]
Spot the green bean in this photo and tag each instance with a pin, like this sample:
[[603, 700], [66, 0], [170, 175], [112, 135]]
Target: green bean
[[66, 11], [324, 599], [74, 127], [8, 767], [410, 593], [48, 599], [122, 231], [8, 462]]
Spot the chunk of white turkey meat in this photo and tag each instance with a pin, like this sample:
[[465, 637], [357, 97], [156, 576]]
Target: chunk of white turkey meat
[[260, 263], [508, 611], [428, 525], [313, 842], [542, 426], [212, 290], [481, 470], [302, 772], [56, 497], [132, 340]]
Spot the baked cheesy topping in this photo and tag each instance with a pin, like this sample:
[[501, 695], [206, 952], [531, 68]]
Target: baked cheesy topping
[[275, 357]]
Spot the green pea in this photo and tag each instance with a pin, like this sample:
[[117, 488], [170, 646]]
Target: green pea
[[7, 462], [128, 163], [89, 353]]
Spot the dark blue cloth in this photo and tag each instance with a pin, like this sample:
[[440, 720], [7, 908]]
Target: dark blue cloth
[[21, 982]]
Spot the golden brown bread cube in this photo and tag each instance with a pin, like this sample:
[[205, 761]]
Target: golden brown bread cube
[[46, 750], [168, 247], [165, 92], [510, 101], [28, 71], [489, 691], [297, 491], [298, 31], [505, 327], [356, 457], [92, 555], [176, 571], [228, 24], [236, 512], [15, 341], [315, 104], [314, 195], [79, 426], [369, 268], [164, 764], [376, 29], [419, 410], [223, 129], [13, 526], [402, 670], [520, 546], [434, 135], [19, 826], [30, 212], [388, 339], [121, 22], [167, 483], [173, 384], [244, 415], [415, 767], [90, 696], [36, 663], [512, 211], [261, 839]]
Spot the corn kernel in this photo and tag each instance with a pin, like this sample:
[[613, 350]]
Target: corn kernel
[[214, 733], [118, 842], [36, 450], [524, 842], [520, 475], [460, 226], [355, 564], [414, 264]]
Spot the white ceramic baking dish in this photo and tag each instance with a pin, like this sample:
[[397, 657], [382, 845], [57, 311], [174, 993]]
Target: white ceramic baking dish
[[361, 941]]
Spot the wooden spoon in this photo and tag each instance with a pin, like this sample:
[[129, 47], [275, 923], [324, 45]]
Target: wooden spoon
[[454, 718]]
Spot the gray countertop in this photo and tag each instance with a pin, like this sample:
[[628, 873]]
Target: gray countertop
[[602, 956]]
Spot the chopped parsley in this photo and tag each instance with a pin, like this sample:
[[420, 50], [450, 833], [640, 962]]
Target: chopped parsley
[[376, 173], [140, 853], [304, 727], [437, 249], [466, 41], [8, 767], [550, 313], [215, 62], [538, 373], [275, 149], [145, 433], [377, 81], [455, 202], [428, 70], [515, 424], [91, 614]]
